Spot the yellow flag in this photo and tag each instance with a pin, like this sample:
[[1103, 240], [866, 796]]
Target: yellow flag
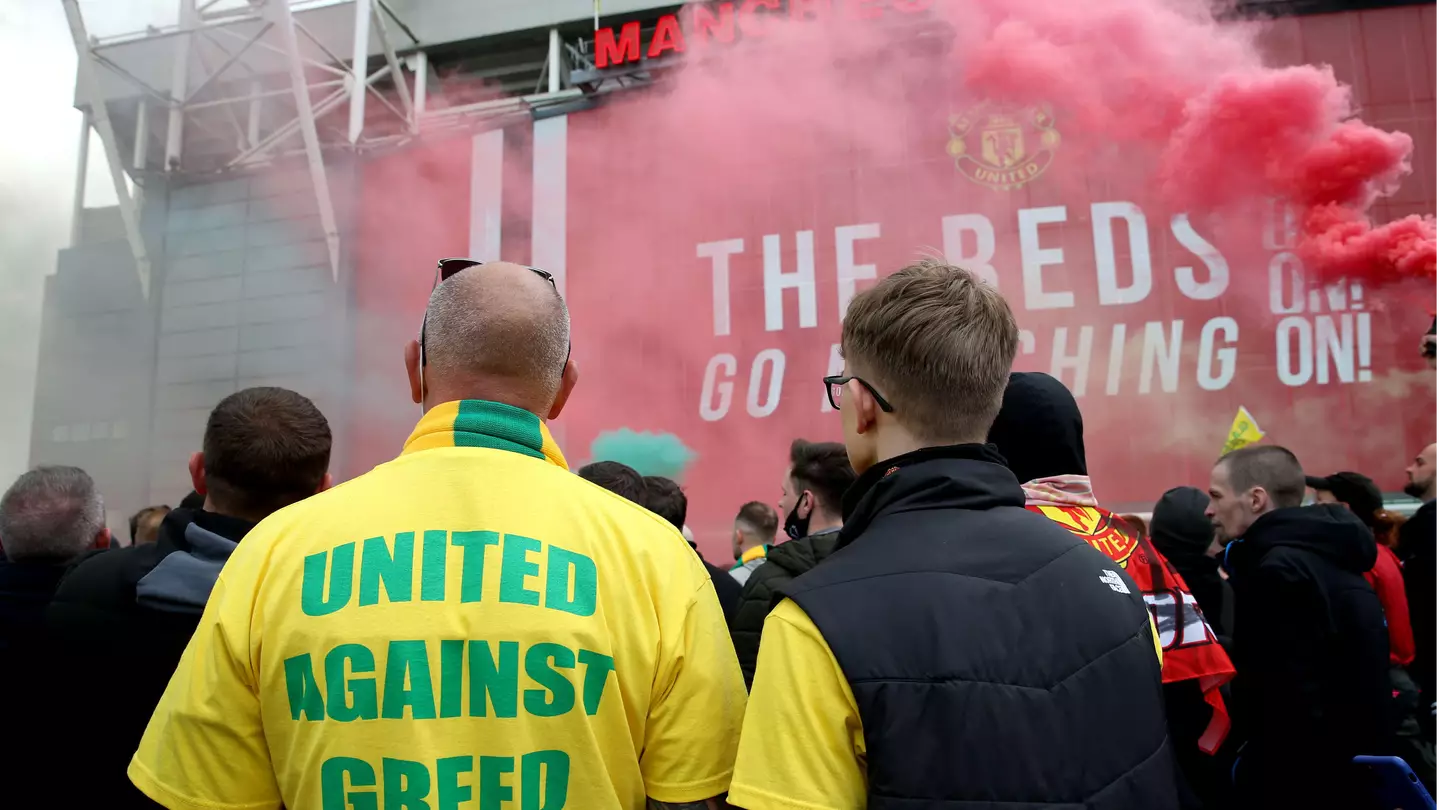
[[1243, 431]]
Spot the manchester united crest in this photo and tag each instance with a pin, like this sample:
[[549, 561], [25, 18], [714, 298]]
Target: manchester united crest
[[1003, 148]]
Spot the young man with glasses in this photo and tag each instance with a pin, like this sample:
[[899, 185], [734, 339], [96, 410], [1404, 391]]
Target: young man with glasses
[[507, 633], [956, 648]]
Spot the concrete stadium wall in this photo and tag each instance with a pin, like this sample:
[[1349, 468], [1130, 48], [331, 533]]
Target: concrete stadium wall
[[242, 295]]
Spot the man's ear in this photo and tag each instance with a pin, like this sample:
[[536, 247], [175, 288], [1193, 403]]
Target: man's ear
[[103, 538], [412, 370], [568, 378], [1259, 499], [801, 504], [325, 483], [197, 473], [864, 405]]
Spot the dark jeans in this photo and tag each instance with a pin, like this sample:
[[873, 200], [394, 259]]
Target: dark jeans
[[1411, 742]]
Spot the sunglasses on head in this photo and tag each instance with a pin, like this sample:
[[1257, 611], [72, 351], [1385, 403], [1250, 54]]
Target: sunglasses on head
[[447, 268]]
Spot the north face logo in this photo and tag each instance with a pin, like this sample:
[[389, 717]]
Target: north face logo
[[1113, 579]]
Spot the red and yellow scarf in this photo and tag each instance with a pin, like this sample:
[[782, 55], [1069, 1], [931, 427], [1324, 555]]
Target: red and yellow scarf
[[1191, 650]]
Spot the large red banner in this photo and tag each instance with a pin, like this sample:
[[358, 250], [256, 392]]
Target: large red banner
[[712, 311]]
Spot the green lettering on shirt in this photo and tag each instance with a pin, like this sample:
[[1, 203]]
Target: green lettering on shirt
[[407, 784], [452, 666], [408, 660], [492, 793], [515, 566], [304, 692], [472, 561], [494, 683], [555, 765], [432, 566], [449, 792], [396, 570], [597, 673], [557, 582], [360, 703], [558, 695], [332, 784], [313, 599]]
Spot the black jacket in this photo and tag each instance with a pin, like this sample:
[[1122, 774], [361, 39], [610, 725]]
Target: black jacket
[[123, 618], [1417, 552], [996, 660], [25, 590], [727, 590], [784, 563], [1312, 654]]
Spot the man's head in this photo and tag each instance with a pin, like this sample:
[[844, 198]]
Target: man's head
[[1250, 482], [754, 526], [813, 489], [1039, 430], [52, 515], [617, 478], [1352, 489], [145, 524], [665, 498], [497, 331], [928, 351], [265, 448], [1420, 475]]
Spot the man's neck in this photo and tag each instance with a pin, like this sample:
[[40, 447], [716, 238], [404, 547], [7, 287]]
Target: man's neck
[[824, 523], [897, 442]]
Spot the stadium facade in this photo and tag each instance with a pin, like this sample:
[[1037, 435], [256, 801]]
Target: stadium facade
[[265, 155]]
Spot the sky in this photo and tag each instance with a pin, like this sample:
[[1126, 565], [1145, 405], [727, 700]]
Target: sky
[[39, 145]]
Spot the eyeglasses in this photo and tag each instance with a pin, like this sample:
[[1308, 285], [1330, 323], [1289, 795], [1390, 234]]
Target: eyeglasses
[[834, 385], [445, 269]]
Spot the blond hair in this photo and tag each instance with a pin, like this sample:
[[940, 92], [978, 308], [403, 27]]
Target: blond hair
[[938, 343]]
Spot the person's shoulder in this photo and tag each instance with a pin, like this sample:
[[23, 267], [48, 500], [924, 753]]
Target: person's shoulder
[[108, 575]]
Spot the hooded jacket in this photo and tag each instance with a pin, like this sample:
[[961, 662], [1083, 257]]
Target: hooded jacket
[[1311, 647], [1041, 434], [129, 613], [1182, 534], [995, 660], [785, 562]]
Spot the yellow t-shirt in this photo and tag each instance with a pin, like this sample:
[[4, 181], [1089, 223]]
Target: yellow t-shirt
[[802, 747], [469, 625]]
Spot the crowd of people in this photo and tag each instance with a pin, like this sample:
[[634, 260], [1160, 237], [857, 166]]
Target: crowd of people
[[937, 612]]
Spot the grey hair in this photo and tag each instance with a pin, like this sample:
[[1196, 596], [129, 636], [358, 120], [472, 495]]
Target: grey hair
[[50, 514], [517, 331]]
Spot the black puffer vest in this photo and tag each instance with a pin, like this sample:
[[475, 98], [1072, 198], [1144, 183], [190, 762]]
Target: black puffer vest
[[997, 661]]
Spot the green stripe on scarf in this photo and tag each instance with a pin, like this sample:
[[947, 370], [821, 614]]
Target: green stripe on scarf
[[499, 427]]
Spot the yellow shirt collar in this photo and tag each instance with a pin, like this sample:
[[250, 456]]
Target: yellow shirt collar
[[479, 423]]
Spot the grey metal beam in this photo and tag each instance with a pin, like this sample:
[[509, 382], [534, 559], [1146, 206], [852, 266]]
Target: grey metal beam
[[401, 88], [358, 66], [85, 68], [286, 24]]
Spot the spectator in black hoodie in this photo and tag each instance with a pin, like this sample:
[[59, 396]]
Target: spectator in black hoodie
[[128, 614], [665, 498], [1309, 638], [811, 496], [1183, 533]]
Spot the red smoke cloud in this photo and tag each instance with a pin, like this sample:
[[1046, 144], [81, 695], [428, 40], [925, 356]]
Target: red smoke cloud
[[1165, 77]]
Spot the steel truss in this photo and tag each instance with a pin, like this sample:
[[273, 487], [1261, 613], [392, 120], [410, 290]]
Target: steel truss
[[248, 84]]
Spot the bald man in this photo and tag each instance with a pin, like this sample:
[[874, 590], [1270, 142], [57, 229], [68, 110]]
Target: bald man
[[1417, 552], [469, 623]]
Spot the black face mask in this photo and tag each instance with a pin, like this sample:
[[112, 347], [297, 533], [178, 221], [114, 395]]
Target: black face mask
[[797, 527]]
